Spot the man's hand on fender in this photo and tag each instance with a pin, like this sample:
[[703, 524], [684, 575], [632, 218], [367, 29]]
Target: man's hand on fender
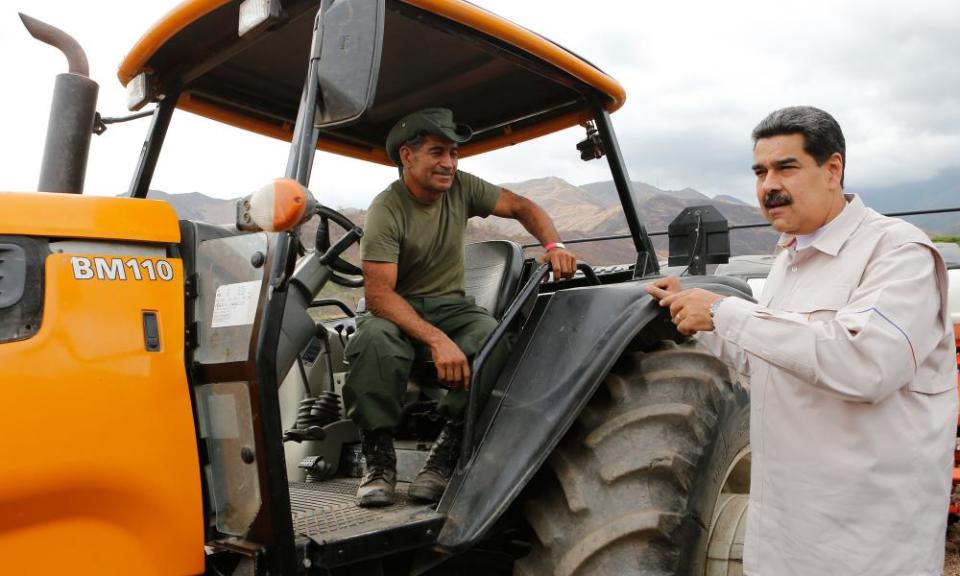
[[564, 263], [452, 366], [689, 309]]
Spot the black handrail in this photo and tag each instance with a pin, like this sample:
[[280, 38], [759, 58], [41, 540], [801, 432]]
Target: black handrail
[[321, 302], [529, 289], [737, 227], [922, 212], [588, 272]]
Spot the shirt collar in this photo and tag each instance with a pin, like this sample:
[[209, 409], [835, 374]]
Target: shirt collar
[[831, 237], [807, 240], [400, 187]]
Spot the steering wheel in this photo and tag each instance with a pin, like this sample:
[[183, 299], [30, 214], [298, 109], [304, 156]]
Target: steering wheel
[[342, 272]]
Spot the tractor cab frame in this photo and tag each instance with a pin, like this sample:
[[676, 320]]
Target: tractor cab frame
[[335, 76]]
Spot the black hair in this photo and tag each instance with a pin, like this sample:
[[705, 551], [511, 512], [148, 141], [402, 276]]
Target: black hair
[[822, 136], [414, 144]]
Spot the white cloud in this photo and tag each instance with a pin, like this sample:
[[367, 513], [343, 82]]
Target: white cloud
[[698, 74]]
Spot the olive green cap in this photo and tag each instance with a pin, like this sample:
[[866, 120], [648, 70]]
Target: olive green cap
[[436, 121]]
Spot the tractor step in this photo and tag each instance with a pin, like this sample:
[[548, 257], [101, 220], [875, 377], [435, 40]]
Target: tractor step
[[342, 532]]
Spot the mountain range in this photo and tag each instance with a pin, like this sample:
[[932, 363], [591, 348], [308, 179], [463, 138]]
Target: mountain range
[[940, 191], [592, 210]]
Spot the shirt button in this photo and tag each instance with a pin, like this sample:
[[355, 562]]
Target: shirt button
[[793, 268]]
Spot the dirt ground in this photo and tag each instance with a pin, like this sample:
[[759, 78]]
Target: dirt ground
[[952, 565]]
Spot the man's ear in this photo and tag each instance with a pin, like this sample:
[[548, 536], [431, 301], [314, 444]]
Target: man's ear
[[404, 152], [835, 168]]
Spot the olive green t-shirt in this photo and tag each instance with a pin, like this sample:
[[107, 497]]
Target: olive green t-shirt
[[425, 241]]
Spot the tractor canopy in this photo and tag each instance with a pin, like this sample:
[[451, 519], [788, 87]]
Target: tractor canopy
[[508, 83]]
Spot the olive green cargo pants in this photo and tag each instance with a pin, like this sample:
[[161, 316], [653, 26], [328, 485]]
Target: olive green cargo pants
[[381, 355]]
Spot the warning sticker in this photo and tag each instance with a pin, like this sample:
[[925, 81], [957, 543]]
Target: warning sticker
[[235, 304]]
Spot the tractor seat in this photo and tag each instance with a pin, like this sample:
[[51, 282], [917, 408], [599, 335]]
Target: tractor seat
[[492, 273]]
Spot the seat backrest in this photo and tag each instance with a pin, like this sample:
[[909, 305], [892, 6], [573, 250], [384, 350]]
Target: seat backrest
[[492, 272]]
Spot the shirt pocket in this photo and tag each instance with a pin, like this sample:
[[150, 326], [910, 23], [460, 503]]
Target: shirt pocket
[[821, 304]]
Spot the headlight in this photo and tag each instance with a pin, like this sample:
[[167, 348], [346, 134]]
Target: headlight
[[138, 91], [256, 13]]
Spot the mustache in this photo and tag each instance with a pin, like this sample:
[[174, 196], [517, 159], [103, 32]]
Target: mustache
[[776, 199]]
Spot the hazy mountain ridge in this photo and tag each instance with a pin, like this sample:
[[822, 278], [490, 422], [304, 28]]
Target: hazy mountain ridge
[[938, 192], [594, 210], [199, 206]]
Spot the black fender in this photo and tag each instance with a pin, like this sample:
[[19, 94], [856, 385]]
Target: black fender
[[569, 344]]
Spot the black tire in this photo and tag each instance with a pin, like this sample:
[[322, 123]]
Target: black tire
[[632, 487]]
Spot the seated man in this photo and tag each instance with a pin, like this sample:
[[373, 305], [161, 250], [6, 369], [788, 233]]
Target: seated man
[[413, 267]]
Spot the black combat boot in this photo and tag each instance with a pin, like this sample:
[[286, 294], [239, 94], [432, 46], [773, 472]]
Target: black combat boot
[[378, 484], [431, 481]]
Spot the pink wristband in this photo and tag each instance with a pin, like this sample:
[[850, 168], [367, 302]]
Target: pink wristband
[[551, 245]]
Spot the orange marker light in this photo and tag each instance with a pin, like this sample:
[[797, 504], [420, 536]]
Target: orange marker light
[[280, 205]]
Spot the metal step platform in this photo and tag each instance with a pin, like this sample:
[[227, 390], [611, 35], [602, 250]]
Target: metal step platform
[[340, 531]]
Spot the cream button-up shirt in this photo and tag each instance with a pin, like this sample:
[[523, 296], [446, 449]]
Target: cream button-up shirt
[[853, 390]]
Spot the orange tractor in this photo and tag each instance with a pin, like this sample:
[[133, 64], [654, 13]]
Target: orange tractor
[[195, 399], [198, 399]]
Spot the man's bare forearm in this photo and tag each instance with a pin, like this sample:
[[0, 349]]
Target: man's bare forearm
[[389, 305], [541, 227]]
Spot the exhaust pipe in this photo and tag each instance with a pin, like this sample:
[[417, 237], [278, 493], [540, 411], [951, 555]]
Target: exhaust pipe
[[72, 114]]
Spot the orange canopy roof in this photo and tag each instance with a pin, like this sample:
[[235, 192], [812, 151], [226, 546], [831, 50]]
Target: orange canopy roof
[[508, 83]]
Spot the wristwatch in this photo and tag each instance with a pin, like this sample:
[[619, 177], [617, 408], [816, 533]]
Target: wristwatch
[[714, 307], [551, 245]]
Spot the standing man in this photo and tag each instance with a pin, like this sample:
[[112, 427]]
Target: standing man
[[412, 253], [852, 370]]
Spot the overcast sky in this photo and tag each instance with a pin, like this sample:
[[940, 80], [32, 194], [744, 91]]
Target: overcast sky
[[698, 76]]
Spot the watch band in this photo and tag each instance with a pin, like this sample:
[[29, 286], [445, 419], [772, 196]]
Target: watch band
[[551, 245], [714, 307]]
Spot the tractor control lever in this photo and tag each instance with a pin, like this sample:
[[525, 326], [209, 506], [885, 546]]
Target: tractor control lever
[[311, 433]]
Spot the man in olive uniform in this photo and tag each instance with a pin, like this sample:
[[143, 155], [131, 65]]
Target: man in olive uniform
[[413, 267]]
